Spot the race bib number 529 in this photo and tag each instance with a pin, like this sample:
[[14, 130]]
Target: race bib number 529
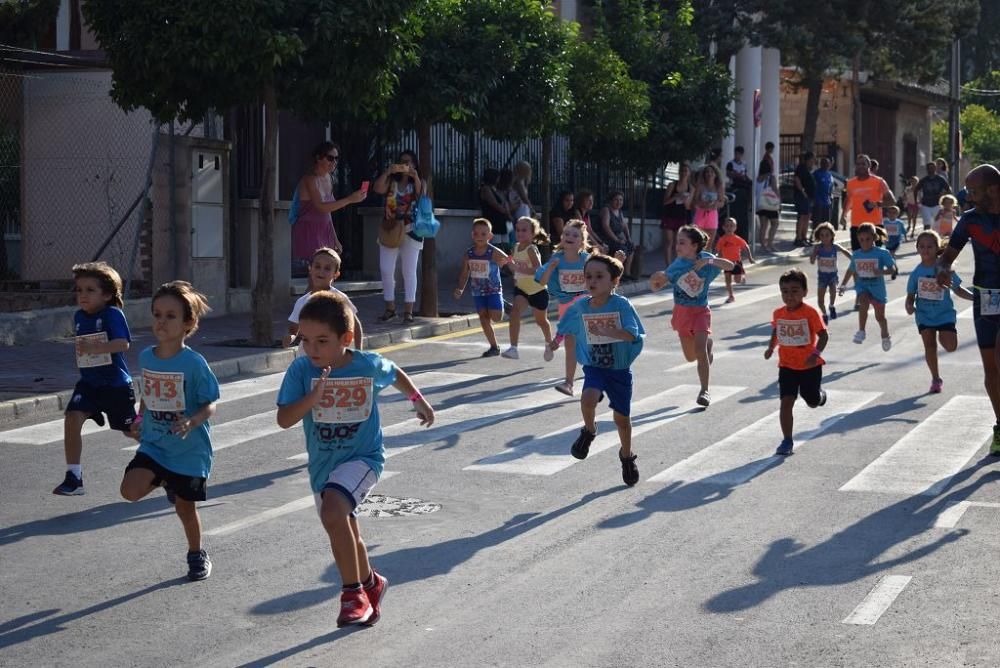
[[344, 400]]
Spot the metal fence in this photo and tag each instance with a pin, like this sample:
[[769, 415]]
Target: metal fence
[[72, 165], [791, 149]]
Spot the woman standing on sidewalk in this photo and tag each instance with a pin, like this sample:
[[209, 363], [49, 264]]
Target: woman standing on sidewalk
[[401, 185], [675, 211], [768, 204], [615, 230], [313, 228]]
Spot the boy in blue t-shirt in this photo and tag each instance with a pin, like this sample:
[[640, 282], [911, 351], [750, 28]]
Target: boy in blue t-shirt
[[870, 265], [608, 337], [105, 386], [481, 268], [895, 228], [332, 392]]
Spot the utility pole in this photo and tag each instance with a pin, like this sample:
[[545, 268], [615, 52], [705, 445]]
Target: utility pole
[[954, 128]]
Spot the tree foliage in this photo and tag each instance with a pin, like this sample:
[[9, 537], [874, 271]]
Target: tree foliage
[[988, 82], [980, 134], [22, 21]]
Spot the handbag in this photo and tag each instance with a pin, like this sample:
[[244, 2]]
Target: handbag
[[768, 200], [425, 225], [390, 232]]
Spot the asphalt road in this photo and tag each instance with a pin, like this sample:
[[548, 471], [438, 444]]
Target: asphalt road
[[874, 545]]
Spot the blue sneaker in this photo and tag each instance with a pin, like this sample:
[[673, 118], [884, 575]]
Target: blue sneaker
[[71, 486], [785, 448]]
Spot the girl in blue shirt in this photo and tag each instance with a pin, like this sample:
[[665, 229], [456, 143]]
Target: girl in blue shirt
[[870, 265], [691, 275], [931, 304], [481, 268], [608, 336], [179, 392]]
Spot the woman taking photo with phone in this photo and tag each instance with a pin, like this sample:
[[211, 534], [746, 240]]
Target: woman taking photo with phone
[[401, 185], [313, 228]]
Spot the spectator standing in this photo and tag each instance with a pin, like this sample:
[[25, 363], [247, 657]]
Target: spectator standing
[[769, 156], [522, 179], [615, 230], [823, 197], [584, 205], [736, 171], [709, 196], [805, 191], [929, 190], [768, 205], [401, 185], [675, 210]]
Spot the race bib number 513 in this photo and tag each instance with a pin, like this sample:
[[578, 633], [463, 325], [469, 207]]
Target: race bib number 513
[[163, 391], [344, 400]]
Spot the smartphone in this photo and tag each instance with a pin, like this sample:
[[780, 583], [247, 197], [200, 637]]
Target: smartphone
[[364, 185]]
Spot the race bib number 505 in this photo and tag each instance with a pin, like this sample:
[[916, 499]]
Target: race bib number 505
[[594, 321], [163, 391], [344, 400]]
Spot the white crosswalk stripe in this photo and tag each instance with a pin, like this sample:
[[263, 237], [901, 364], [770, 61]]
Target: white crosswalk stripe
[[745, 454], [929, 455], [549, 454]]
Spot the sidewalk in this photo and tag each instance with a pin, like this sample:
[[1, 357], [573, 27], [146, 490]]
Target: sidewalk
[[37, 379]]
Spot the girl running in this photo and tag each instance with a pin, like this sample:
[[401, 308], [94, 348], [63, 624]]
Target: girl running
[[608, 335], [691, 275], [482, 264], [527, 291], [731, 246], [869, 266], [709, 197], [931, 304], [563, 274], [824, 255], [179, 392], [947, 216]]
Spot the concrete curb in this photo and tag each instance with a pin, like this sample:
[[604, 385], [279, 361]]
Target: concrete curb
[[278, 360]]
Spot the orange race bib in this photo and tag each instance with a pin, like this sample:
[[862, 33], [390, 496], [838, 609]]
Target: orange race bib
[[163, 391], [344, 400], [593, 321], [87, 361], [793, 332], [571, 280]]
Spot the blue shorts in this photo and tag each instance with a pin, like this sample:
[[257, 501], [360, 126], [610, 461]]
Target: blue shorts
[[827, 281], [118, 403], [488, 302], [616, 384], [892, 243], [876, 293]]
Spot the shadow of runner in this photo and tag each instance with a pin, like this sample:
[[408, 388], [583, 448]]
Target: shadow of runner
[[852, 553], [272, 659], [419, 563], [54, 624]]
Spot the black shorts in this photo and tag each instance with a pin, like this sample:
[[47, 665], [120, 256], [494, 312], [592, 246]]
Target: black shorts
[[189, 488], [801, 383], [538, 301], [737, 269], [118, 403], [821, 213], [803, 205], [770, 215], [947, 327]]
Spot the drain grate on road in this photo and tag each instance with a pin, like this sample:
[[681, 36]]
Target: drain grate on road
[[379, 505]]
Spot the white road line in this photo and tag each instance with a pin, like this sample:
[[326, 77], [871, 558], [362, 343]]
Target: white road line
[[244, 430], [951, 515], [430, 382], [929, 455], [511, 404], [878, 600], [549, 454], [717, 301], [746, 453], [270, 514], [44, 432], [522, 347]]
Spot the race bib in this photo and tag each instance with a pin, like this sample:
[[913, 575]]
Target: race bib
[[866, 268], [344, 400], [593, 321], [88, 361], [928, 288], [827, 265], [989, 302], [163, 391], [793, 332], [479, 268], [571, 280], [692, 284]]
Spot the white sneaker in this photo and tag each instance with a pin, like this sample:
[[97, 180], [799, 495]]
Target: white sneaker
[[510, 353], [887, 343], [859, 336], [549, 353]]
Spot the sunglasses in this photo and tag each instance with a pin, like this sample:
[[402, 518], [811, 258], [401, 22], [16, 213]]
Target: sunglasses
[[331, 158]]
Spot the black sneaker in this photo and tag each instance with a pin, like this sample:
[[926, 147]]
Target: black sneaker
[[492, 352], [581, 446], [822, 398], [630, 472], [199, 565], [71, 486]]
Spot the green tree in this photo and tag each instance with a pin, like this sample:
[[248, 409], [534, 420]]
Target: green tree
[[980, 134], [988, 82], [182, 58], [22, 21]]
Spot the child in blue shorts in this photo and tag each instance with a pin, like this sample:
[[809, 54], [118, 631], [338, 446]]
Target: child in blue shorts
[[481, 266], [824, 255], [332, 391], [870, 265], [895, 228], [930, 303], [608, 335]]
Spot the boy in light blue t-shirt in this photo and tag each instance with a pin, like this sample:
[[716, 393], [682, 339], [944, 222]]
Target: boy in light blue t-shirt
[[332, 391]]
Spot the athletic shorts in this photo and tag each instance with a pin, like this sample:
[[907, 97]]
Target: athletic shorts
[[875, 294], [189, 488], [802, 204], [118, 403], [824, 280], [706, 219], [616, 384], [353, 479], [892, 243], [687, 320], [946, 327], [488, 302], [928, 214], [565, 307], [538, 301], [737, 269], [770, 215], [803, 383]]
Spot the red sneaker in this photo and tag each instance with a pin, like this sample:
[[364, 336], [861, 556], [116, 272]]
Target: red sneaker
[[375, 595], [354, 608]]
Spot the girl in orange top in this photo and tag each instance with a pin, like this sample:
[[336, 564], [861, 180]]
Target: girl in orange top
[[731, 246]]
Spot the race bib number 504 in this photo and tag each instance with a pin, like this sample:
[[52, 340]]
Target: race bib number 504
[[793, 332], [163, 391], [344, 400]]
